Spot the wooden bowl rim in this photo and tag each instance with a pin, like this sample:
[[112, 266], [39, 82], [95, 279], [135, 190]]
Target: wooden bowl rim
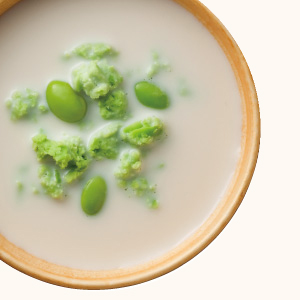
[[209, 230]]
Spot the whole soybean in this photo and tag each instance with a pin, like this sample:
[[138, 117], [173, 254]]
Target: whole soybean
[[64, 103], [93, 195], [151, 95]]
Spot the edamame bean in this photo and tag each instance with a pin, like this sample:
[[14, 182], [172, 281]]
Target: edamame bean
[[64, 102], [151, 96], [93, 195]]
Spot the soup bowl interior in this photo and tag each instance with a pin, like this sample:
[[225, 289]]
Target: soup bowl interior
[[208, 231]]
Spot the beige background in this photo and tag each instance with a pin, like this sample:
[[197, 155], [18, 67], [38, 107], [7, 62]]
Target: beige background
[[257, 255]]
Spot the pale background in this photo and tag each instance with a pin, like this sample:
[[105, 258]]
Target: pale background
[[257, 255]]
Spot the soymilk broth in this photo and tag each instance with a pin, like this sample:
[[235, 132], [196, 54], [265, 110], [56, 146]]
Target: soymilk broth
[[200, 153]]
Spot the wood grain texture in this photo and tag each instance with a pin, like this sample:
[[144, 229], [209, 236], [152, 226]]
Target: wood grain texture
[[74, 278], [6, 5]]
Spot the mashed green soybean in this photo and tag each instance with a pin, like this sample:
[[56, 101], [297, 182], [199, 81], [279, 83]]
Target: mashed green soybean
[[68, 153], [142, 189], [144, 132], [113, 106], [96, 78], [152, 202], [73, 173], [130, 164], [92, 51], [20, 186], [22, 103], [157, 66], [105, 142], [43, 108], [50, 180], [141, 186]]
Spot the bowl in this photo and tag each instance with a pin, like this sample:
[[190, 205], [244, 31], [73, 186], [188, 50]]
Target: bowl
[[214, 224]]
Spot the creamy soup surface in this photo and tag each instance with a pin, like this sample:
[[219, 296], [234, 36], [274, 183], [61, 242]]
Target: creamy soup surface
[[200, 153]]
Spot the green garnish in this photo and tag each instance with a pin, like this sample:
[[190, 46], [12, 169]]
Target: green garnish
[[105, 142], [144, 132], [22, 104], [96, 78]]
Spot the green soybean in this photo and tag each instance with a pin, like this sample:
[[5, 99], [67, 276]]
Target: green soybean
[[64, 103], [93, 195], [151, 95]]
